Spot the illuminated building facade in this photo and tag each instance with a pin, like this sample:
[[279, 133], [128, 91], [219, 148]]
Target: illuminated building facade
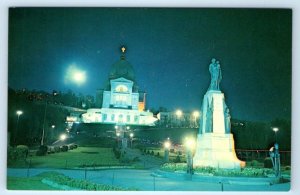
[[121, 102]]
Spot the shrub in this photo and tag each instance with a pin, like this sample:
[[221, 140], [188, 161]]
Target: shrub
[[172, 150], [152, 153], [136, 159], [75, 146], [287, 168], [64, 148], [157, 154], [81, 184], [117, 153], [254, 163], [51, 149], [246, 172], [42, 151], [56, 149], [71, 146], [22, 151], [268, 163], [177, 159], [11, 155], [125, 160]]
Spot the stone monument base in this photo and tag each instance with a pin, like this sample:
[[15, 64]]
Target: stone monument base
[[216, 150]]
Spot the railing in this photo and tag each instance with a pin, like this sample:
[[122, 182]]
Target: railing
[[260, 155]]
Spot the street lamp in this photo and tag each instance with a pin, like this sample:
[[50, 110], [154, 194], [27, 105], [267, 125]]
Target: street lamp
[[178, 114], [19, 112], [167, 146], [275, 129], [196, 114], [118, 137], [190, 146], [131, 138], [63, 137]]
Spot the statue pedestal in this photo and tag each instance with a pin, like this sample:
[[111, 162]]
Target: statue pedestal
[[216, 150], [215, 143]]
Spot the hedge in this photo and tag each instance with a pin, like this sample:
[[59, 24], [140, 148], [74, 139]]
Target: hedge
[[81, 184]]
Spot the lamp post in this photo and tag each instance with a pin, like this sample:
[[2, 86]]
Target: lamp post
[[275, 129], [196, 114], [275, 155], [167, 146], [19, 113], [131, 138], [118, 137], [190, 145], [43, 132], [178, 116]]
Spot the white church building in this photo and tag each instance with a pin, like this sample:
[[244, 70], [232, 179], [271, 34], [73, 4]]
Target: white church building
[[121, 102]]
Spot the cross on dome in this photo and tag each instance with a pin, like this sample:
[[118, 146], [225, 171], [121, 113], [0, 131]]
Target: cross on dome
[[123, 49]]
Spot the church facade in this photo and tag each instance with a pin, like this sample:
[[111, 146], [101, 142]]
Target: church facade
[[120, 102]]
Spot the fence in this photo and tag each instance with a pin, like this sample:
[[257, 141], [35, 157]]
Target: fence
[[260, 155]]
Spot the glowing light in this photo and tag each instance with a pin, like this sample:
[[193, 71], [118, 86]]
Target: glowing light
[[275, 129], [118, 134], [196, 114], [190, 143], [131, 135], [123, 49], [127, 127], [19, 112], [75, 75], [116, 127], [167, 145], [178, 113], [63, 137], [53, 126], [79, 77]]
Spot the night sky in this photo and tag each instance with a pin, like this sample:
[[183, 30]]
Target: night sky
[[170, 50]]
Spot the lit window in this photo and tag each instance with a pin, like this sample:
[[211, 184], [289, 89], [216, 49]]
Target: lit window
[[121, 98], [112, 117], [104, 117], [136, 118], [121, 88], [128, 118]]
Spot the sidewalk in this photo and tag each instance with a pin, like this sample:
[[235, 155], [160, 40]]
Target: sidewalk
[[144, 180]]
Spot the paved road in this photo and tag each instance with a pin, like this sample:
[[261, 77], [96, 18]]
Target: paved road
[[145, 181]]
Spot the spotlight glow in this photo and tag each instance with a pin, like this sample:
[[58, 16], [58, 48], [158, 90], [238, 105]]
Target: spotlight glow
[[167, 145], [75, 75], [63, 137]]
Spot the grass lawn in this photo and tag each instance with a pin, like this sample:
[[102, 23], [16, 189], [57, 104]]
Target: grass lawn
[[80, 157], [59, 182], [33, 183]]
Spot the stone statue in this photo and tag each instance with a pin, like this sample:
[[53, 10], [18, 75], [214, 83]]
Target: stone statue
[[227, 120], [209, 120], [216, 75]]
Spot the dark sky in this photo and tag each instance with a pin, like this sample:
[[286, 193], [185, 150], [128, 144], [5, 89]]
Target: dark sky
[[170, 50]]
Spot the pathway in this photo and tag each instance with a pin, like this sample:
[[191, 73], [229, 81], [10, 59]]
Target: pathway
[[144, 180]]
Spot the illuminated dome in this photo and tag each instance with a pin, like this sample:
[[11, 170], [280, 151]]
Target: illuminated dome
[[122, 68]]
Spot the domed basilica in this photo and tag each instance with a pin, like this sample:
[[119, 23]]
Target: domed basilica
[[120, 102]]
